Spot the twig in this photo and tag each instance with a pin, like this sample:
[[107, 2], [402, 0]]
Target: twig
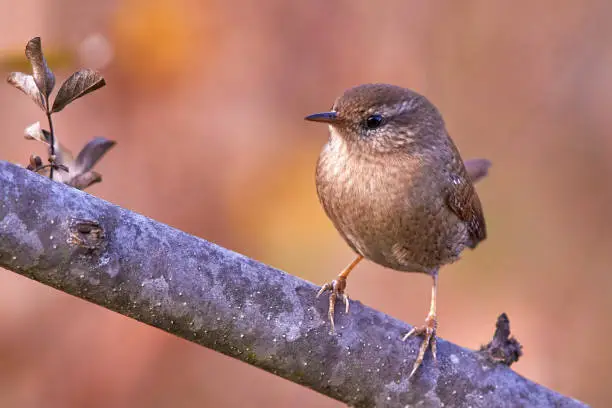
[[51, 136], [219, 299], [503, 348]]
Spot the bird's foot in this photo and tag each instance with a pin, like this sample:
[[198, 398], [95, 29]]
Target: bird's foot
[[336, 287], [428, 331]]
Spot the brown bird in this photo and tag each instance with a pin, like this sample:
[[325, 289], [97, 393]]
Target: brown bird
[[395, 187]]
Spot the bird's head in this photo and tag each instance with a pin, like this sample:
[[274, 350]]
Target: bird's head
[[382, 118]]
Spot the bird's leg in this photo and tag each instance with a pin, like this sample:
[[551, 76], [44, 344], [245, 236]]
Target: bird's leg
[[428, 330], [336, 287]]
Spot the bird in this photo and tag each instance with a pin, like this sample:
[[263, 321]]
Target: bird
[[395, 187]]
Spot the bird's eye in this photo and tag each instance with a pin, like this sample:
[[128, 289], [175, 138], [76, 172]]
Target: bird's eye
[[374, 121]]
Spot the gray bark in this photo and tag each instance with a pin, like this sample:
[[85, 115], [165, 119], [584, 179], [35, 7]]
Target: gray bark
[[123, 261]]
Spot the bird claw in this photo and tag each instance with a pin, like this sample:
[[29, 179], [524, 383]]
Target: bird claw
[[336, 287], [428, 331]]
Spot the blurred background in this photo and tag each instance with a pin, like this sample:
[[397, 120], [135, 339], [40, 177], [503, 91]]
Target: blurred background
[[206, 99]]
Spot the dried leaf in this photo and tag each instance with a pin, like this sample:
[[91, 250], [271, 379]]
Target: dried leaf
[[35, 163], [77, 172], [64, 158], [82, 181], [26, 84], [35, 132], [43, 76], [91, 153], [78, 84]]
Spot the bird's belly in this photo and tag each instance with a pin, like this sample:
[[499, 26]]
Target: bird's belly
[[386, 221]]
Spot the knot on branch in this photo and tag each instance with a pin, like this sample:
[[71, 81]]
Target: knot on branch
[[86, 234], [503, 348]]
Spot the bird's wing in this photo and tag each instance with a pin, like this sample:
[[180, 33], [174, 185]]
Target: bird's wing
[[464, 202]]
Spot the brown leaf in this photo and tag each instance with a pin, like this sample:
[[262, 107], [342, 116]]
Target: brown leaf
[[26, 84], [91, 153], [78, 84], [63, 158], [35, 163], [82, 181], [43, 76], [78, 173], [35, 132]]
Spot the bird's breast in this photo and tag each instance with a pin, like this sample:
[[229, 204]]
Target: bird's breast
[[382, 207]]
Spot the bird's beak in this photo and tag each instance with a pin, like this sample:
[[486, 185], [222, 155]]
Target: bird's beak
[[325, 117]]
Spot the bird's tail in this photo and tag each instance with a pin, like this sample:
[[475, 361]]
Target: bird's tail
[[477, 168]]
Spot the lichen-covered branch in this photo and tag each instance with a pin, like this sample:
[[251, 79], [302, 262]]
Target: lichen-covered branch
[[219, 299]]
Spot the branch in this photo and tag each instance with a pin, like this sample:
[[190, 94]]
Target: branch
[[222, 300]]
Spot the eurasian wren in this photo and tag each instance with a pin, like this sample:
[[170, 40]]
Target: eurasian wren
[[394, 185]]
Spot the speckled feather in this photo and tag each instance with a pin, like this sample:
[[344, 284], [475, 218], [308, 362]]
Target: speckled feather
[[400, 194]]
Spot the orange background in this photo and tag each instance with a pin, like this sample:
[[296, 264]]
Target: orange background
[[206, 100]]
